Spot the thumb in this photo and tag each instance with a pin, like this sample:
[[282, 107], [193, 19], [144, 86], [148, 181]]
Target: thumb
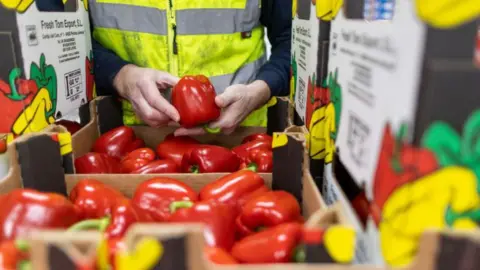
[[165, 79], [228, 97]]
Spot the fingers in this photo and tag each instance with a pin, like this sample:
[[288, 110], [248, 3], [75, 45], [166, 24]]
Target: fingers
[[189, 132], [157, 101], [149, 115], [164, 79], [231, 94]]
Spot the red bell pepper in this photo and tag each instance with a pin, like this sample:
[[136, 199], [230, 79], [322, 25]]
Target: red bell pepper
[[219, 220], [173, 148], [137, 159], [71, 126], [272, 245], [92, 163], [141, 153], [14, 97], [194, 98], [123, 214], [258, 137], [267, 210], [24, 210], [233, 188], [218, 255], [11, 255], [155, 195], [398, 164], [243, 151], [158, 166], [210, 159], [117, 142], [259, 160], [93, 198]]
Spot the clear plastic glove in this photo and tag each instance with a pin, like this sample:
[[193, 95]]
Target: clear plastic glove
[[142, 86], [237, 102]]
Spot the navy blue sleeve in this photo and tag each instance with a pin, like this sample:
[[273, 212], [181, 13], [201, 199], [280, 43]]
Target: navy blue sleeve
[[277, 18], [106, 66]]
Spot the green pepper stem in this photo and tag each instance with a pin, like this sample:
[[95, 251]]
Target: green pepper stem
[[174, 206], [24, 265], [252, 167], [22, 245], [100, 224], [211, 130], [12, 77], [194, 169], [298, 254]]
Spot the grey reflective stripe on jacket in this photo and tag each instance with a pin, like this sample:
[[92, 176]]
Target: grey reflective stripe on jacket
[[189, 22]]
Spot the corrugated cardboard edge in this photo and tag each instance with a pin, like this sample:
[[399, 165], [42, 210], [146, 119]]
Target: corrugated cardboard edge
[[13, 179]]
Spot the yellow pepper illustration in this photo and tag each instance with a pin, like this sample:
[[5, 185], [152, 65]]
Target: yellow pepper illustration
[[328, 131], [317, 131], [146, 254], [18, 5], [420, 205], [34, 118], [294, 8], [447, 13], [328, 9]]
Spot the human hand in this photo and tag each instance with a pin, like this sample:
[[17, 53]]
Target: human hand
[[237, 102], [141, 87]]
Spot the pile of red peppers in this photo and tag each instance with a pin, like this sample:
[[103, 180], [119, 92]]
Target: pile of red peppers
[[245, 221], [120, 151]]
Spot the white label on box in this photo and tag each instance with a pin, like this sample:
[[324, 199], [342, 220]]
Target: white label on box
[[305, 31], [57, 45]]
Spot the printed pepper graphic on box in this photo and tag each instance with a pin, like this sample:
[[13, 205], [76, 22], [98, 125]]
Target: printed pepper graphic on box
[[447, 13], [430, 187], [29, 105], [326, 120], [90, 79], [328, 9], [293, 79], [19, 5]]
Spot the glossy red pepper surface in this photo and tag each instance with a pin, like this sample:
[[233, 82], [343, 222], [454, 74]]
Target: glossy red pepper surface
[[117, 142], [93, 198], [173, 148], [24, 210], [259, 160], [233, 188], [219, 221], [124, 214], [273, 245], [194, 98], [158, 166], [257, 137], [210, 159], [243, 150], [218, 255], [155, 195], [267, 210], [71, 126], [92, 163], [141, 153]]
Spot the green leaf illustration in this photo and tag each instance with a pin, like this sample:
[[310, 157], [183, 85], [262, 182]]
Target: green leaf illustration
[[45, 77], [445, 142]]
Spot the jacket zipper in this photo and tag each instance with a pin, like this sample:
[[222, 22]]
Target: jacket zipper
[[172, 39]]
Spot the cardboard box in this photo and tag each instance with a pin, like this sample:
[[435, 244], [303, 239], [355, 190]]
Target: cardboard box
[[47, 68], [400, 132], [105, 114], [309, 74]]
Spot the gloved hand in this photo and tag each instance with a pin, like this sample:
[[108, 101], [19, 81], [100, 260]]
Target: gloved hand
[[141, 87], [237, 102]]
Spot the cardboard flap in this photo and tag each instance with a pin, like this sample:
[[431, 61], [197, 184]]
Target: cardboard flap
[[289, 148], [279, 115], [63, 250], [39, 161], [448, 250], [109, 113]]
